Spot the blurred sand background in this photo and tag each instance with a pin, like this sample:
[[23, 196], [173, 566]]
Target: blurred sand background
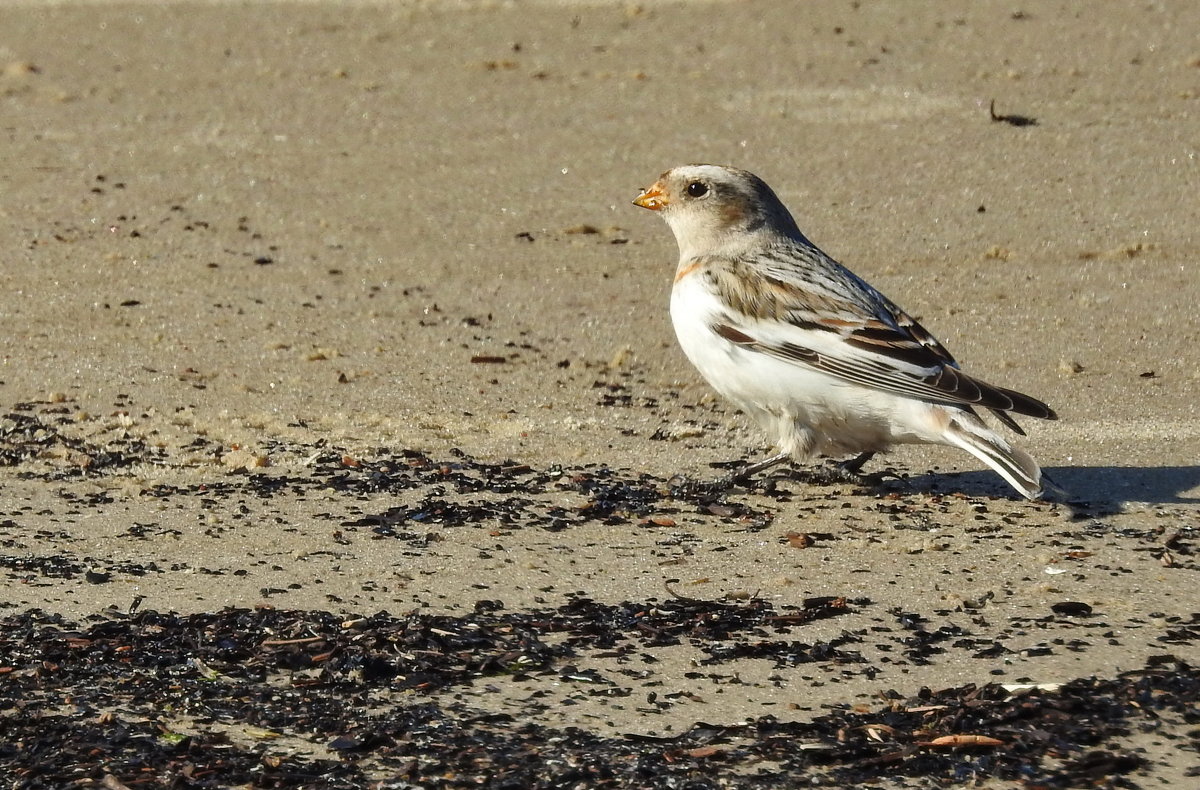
[[242, 234]]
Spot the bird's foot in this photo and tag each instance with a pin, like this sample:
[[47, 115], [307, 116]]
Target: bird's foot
[[843, 472], [710, 491], [846, 472]]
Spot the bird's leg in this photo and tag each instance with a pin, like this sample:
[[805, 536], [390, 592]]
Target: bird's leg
[[750, 470], [854, 465], [850, 471]]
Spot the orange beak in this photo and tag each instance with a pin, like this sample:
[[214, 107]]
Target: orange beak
[[653, 198]]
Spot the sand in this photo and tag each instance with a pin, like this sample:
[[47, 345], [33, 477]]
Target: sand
[[238, 237]]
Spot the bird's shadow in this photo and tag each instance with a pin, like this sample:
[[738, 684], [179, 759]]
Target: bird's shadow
[[1087, 490]]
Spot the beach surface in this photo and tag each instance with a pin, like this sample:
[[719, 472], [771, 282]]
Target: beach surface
[[342, 311]]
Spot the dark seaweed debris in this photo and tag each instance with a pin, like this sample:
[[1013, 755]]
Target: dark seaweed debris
[[269, 698], [25, 437], [449, 492], [463, 490]]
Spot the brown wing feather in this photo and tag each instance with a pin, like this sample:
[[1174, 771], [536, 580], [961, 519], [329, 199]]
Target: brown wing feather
[[864, 319], [946, 385]]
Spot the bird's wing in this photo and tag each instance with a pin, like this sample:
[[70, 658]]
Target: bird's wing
[[802, 307]]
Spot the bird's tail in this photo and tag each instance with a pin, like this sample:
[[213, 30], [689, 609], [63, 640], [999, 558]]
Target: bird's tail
[[1012, 463]]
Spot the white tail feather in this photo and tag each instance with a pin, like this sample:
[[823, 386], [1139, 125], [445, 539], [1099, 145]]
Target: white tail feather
[[1012, 463]]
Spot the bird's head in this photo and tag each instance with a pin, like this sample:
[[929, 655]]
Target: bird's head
[[712, 208]]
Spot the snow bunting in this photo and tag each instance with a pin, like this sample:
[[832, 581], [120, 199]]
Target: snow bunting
[[820, 359]]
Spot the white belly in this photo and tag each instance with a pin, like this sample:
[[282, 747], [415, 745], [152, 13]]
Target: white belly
[[804, 411]]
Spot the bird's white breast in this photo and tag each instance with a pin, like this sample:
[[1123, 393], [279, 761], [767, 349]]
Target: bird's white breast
[[695, 308]]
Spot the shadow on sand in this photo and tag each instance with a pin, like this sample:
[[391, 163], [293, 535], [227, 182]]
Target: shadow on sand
[[1087, 488]]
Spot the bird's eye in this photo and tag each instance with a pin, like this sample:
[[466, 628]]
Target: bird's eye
[[697, 189]]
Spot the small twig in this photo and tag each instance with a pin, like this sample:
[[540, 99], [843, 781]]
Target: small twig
[[1013, 120], [304, 641], [673, 594]]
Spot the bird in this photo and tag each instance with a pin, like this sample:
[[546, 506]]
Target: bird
[[821, 360]]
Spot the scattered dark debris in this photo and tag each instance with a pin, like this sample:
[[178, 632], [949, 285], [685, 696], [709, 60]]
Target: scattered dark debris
[[288, 699], [25, 437], [463, 491], [64, 566], [921, 643], [42, 439], [168, 699], [98, 575], [1179, 549], [56, 566], [1012, 120], [1072, 609]]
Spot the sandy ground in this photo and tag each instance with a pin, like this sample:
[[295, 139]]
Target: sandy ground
[[242, 240]]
